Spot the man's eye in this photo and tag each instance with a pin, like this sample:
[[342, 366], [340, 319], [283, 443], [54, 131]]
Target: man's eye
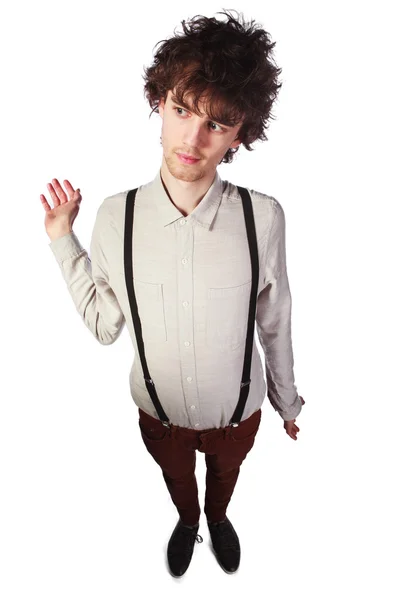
[[176, 108], [179, 108]]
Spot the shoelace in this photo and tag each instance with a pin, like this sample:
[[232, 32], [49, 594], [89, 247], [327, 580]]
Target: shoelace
[[185, 538]]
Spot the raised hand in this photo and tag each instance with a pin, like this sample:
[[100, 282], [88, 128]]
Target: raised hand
[[59, 219]]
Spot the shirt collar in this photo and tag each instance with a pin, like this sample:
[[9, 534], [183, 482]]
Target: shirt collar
[[203, 213]]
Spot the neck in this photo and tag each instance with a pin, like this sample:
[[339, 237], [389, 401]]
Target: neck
[[184, 193]]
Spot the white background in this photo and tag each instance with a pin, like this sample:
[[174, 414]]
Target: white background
[[84, 510]]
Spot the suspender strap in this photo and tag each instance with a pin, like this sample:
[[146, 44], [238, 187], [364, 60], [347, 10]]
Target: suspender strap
[[128, 266], [252, 241], [128, 238]]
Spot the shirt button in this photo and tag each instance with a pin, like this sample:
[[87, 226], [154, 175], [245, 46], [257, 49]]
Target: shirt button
[[197, 424], [184, 261], [182, 221], [185, 303], [187, 343], [193, 407], [188, 379]]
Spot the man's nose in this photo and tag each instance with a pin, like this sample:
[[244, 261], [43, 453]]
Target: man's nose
[[194, 136]]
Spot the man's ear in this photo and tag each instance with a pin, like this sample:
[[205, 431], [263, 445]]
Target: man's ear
[[161, 105], [235, 143]]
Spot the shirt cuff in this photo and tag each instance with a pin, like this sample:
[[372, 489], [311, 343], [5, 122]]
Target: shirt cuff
[[294, 411], [66, 246]]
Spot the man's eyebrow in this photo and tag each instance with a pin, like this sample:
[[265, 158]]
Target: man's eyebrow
[[185, 105]]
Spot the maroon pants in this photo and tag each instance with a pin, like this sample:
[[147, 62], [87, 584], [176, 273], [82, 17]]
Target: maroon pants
[[174, 449]]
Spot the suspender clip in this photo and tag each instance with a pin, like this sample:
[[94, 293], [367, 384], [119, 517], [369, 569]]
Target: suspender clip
[[242, 384]]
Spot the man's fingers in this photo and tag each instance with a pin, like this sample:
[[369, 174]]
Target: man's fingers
[[69, 188], [45, 204], [61, 194], [52, 192]]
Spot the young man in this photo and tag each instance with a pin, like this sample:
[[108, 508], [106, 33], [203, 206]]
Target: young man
[[183, 277]]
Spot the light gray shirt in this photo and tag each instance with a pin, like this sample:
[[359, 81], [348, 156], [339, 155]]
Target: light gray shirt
[[192, 280]]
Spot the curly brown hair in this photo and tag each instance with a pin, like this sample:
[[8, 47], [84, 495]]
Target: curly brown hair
[[229, 63]]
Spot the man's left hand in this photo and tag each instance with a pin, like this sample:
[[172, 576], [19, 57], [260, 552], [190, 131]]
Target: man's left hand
[[291, 428]]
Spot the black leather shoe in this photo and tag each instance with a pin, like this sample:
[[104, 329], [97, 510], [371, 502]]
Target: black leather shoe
[[180, 547], [226, 544]]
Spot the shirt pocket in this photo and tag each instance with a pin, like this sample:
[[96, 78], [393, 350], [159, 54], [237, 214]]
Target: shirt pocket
[[150, 303], [227, 316]]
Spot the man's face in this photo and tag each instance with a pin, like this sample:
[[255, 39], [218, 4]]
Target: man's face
[[185, 132]]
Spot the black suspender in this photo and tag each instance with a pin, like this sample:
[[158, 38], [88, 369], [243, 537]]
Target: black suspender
[[252, 241]]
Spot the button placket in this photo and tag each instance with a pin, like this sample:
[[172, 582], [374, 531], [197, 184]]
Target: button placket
[[185, 318]]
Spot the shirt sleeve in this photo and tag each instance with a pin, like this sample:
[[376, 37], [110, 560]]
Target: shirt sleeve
[[88, 281], [273, 321]]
